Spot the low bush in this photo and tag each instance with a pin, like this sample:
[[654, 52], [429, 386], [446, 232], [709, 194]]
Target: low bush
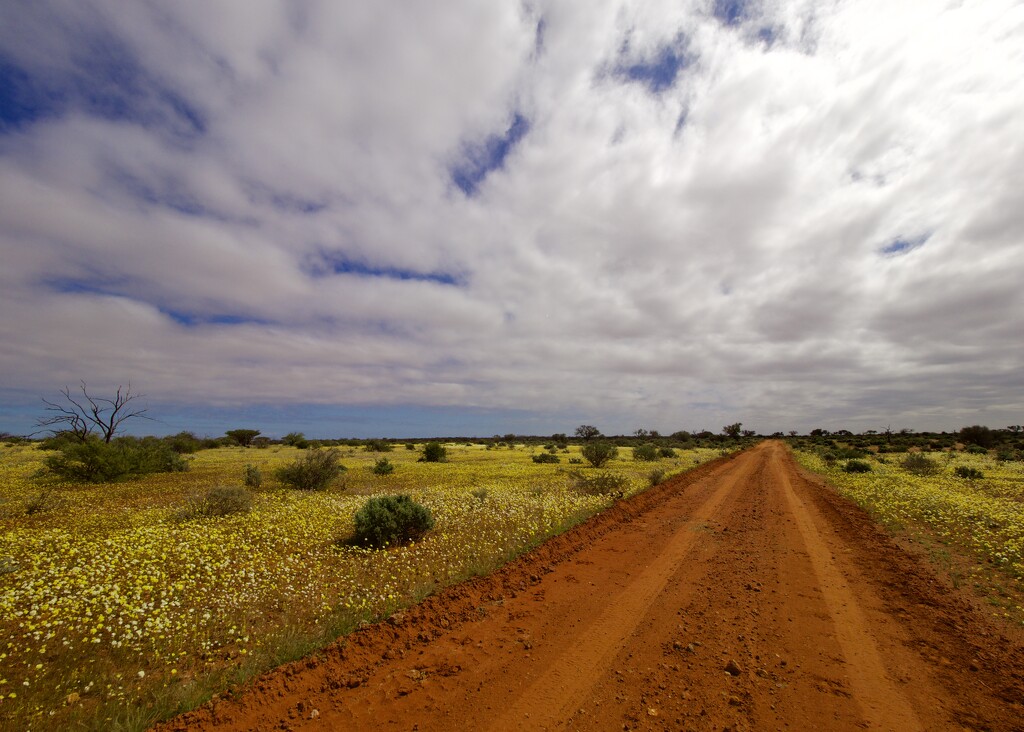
[[253, 476], [645, 453], [383, 467], [968, 473], [545, 457], [976, 450], [919, 464], [378, 446], [602, 484], [599, 453], [434, 452], [857, 466], [656, 477], [218, 501], [575, 461], [95, 461], [391, 520], [666, 452], [314, 471]]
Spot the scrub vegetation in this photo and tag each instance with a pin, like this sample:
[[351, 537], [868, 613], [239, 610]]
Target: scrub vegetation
[[126, 601]]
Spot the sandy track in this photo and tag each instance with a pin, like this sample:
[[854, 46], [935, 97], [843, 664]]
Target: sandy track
[[741, 595]]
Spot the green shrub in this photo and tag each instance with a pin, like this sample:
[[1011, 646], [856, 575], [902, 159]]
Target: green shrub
[[383, 467], [575, 461], [95, 461], [963, 471], [656, 477], [218, 501], [545, 457], [976, 450], [666, 452], [313, 471], [599, 453], [184, 443], [253, 476], [857, 466], [645, 453], [390, 521], [919, 464], [602, 484], [410, 446], [434, 452], [378, 446]]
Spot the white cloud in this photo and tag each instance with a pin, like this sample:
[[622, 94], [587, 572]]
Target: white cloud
[[712, 251]]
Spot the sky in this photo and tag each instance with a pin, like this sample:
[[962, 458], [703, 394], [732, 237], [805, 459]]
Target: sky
[[394, 219]]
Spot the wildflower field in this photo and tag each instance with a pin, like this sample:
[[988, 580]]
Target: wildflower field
[[116, 611], [973, 527]]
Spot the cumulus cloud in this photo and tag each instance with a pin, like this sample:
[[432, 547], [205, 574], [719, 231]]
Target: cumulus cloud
[[656, 214]]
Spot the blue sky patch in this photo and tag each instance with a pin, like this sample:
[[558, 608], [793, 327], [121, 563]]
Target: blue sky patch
[[488, 157], [657, 73], [901, 245], [337, 263], [107, 81], [730, 12]]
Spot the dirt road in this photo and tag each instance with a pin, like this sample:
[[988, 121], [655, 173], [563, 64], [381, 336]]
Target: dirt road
[[743, 595]]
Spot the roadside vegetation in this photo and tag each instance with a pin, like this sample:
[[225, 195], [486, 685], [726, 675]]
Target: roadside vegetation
[[961, 501], [125, 601]]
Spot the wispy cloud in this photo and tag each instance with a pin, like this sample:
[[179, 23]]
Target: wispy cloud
[[653, 214]]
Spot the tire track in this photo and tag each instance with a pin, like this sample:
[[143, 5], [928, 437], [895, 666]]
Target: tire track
[[551, 698], [879, 697]]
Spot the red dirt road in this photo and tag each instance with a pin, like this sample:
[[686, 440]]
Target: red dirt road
[[743, 595]]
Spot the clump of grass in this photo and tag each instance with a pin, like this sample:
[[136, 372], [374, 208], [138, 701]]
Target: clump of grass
[[919, 464], [479, 494], [224, 500], [601, 484], [968, 473], [545, 457], [253, 476]]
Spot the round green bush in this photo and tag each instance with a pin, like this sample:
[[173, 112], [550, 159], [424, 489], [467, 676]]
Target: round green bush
[[857, 466], [598, 453], [545, 457], [645, 453], [390, 521], [434, 452]]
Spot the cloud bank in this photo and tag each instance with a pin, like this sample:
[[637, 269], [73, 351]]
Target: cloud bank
[[658, 214]]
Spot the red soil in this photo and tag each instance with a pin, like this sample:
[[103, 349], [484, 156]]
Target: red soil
[[743, 595]]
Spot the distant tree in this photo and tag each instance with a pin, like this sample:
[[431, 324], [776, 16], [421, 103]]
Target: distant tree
[[559, 437], [793, 433], [1015, 428], [681, 435], [819, 432], [242, 437], [978, 435], [641, 433], [749, 433], [83, 414], [733, 430], [296, 439], [870, 432], [587, 432]]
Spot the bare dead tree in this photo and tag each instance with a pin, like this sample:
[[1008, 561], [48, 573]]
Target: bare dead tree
[[81, 415]]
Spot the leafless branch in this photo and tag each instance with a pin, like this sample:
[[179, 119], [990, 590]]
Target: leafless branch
[[81, 415]]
